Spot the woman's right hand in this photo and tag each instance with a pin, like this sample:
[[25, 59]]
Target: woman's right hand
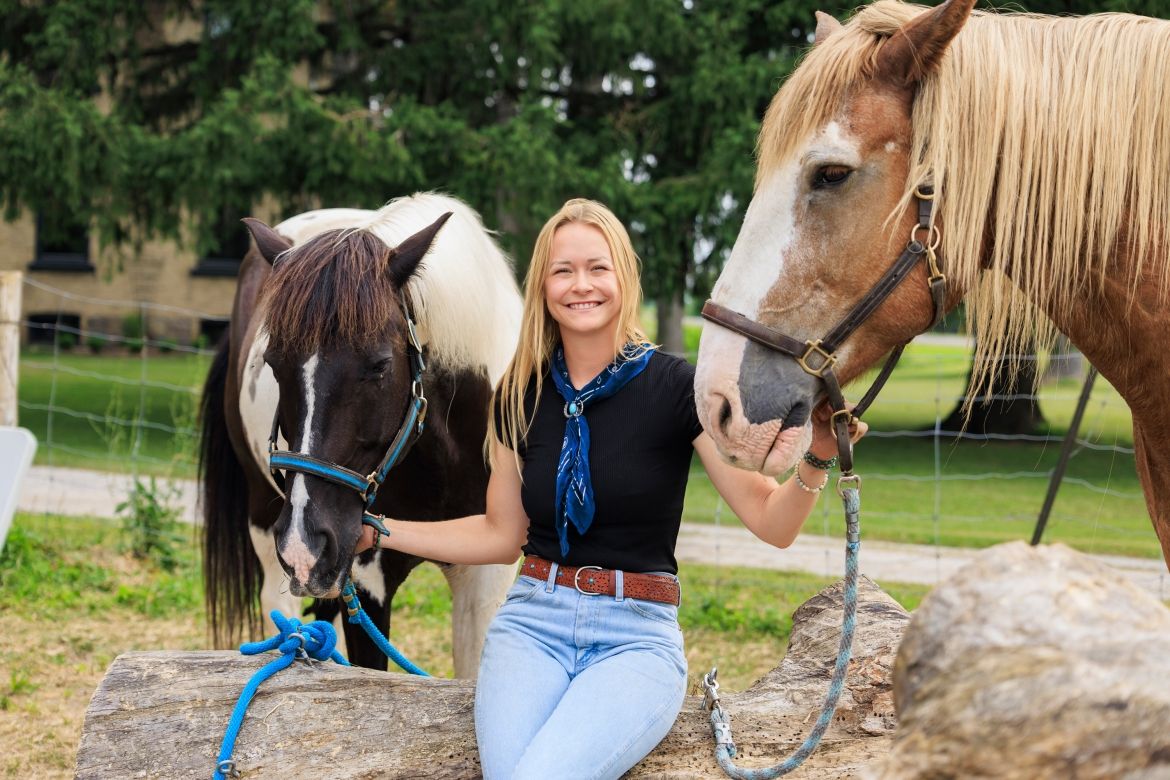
[[367, 540]]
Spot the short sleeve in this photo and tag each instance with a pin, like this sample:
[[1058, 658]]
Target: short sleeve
[[684, 392]]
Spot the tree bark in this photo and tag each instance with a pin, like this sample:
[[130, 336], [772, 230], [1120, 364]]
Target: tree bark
[[670, 317], [163, 714], [1008, 406]]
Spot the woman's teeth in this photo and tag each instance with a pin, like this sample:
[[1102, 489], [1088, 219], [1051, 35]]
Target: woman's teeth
[[583, 305]]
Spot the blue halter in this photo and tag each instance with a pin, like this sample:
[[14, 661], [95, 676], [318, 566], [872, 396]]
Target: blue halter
[[366, 485]]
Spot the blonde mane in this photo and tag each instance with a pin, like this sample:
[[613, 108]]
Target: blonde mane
[[1048, 139]]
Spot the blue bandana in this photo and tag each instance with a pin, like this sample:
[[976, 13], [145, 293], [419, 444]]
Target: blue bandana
[[574, 484]]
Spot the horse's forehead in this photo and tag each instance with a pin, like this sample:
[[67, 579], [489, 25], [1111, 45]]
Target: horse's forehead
[[772, 243]]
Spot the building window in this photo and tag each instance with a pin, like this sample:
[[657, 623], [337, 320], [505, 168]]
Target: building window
[[43, 328], [212, 331], [62, 243], [232, 242]]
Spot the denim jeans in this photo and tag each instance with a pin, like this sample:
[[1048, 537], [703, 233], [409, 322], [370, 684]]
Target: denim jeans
[[573, 685]]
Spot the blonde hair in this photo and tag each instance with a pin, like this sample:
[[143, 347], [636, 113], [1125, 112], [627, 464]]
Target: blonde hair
[[539, 332], [1072, 160]]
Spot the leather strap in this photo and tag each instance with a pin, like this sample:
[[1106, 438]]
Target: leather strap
[[597, 581], [817, 357]]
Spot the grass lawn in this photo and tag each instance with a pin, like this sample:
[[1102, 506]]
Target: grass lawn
[[917, 488], [72, 598]]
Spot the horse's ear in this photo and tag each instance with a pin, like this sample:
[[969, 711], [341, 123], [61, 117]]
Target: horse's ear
[[826, 26], [916, 50], [404, 258], [268, 241]]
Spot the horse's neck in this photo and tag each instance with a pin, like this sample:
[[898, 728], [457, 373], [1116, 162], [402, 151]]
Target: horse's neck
[[1121, 330]]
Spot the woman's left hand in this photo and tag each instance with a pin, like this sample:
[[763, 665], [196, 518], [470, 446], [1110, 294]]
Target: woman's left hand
[[824, 442]]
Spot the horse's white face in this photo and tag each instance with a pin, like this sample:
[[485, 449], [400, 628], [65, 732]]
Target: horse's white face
[[820, 231], [771, 277]]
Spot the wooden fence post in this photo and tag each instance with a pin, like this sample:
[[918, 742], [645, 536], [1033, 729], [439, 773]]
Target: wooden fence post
[[10, 287]]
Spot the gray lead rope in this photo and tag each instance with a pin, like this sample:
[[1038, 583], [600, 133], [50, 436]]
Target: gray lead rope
[[721, 723]]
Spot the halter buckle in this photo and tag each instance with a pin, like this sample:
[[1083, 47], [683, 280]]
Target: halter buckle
[[846, 413], [814, 347]]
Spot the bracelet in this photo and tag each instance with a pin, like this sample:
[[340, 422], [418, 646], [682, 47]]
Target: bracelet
[[819, 463], [801, 484]]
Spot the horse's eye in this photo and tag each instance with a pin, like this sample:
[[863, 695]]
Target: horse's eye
[[378, 368], [830, 175]]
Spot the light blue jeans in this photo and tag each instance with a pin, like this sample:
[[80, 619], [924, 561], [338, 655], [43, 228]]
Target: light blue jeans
[[576, 686]]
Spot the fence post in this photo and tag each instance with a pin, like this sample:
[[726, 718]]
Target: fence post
[[1070, 440], [10, 286]]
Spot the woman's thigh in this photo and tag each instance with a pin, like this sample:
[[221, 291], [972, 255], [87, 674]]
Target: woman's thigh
[[524, 671], [621, 704]]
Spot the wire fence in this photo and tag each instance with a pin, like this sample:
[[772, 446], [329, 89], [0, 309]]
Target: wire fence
[[126, 401]]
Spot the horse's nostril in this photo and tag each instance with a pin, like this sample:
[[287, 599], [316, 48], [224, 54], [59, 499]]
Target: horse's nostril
[[724, 415]]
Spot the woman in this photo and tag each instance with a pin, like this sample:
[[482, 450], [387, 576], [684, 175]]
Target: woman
[[583, 671]]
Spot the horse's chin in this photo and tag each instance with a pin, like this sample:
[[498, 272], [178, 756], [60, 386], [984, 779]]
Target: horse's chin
[[786, 450], [315, 588]]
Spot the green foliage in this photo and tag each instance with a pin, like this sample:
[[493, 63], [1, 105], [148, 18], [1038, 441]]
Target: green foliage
[[133, 327], [149, 522], [96, 343], [167, 346], [63, 566], [65, 341]]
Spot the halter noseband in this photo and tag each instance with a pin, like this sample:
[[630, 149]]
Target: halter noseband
[[817, 357], [366, 486]]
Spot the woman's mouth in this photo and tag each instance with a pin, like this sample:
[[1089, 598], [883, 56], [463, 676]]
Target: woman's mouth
[[584, 305]]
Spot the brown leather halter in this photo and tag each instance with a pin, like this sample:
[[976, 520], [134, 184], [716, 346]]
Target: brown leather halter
[[817, 356]]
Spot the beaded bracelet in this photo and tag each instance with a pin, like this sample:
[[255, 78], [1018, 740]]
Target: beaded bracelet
[[819, 463], [800, 483]]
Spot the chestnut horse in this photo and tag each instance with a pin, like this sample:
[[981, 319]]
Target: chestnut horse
[[1047, 143], [320, 342]]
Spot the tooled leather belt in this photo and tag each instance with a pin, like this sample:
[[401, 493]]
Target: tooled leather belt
[[596, 581]]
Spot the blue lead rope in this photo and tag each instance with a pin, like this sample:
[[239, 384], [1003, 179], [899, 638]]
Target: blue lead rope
[[358, 617], [721, 724], [316, 640]]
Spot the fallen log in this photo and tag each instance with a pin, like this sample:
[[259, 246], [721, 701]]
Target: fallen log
[[162, 714], [1033, 663]]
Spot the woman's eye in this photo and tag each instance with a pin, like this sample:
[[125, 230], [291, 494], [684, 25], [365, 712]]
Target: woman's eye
[[830, 175]]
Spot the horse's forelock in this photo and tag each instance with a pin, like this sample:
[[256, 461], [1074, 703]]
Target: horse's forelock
[[330, 292]]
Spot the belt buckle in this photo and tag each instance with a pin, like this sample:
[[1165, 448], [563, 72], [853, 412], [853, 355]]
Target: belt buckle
[[577, 585]]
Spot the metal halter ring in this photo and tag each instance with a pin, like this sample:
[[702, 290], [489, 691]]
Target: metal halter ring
[[934, 238], [577, 585], [227, 768], [853, 478]]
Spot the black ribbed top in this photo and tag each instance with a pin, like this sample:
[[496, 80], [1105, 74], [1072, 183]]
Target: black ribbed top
[[639, 457]]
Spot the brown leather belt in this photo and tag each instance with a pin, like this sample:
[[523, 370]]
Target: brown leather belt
[[595, 581]]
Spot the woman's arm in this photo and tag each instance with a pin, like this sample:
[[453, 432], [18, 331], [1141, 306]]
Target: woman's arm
[[494, 537], [773, 511]]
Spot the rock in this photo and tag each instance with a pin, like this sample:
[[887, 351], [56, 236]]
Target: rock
[[1033, 662]]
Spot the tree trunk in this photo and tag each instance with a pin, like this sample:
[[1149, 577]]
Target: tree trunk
[[670, 316], [163, 714], [1008, 406]]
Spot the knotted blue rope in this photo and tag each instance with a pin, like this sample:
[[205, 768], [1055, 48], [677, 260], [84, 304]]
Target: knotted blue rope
[[721, 724], [574, 484], [316, 640], [358, 616]]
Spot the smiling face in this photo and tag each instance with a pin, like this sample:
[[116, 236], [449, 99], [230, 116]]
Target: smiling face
[[581, 289]]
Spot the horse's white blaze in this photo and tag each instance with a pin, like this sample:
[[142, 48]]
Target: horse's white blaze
[[274, 593], [296, 552], [259, 394], [764, 251]]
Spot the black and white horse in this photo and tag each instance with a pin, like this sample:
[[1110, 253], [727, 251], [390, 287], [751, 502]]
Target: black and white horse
[[319, 343]]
